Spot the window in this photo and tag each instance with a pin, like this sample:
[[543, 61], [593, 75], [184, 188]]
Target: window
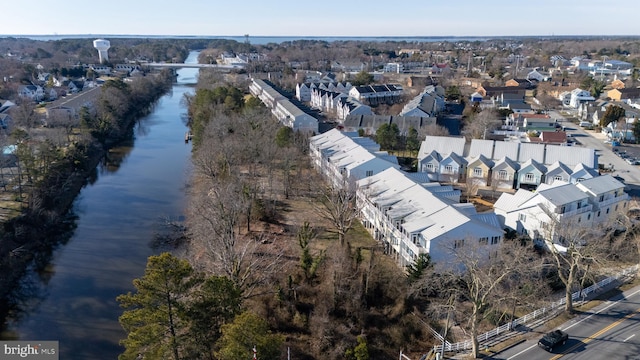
[[458, 244], [607, 210], [449, 169], [522, 217], [369, 173], [558, 177], [503, 175], [414, 238], [529, 177], [601, 198], [580, 179], [477, 172], [484, 240], [616, 207], [598, 213], [562, 209], [495, 240], [429, 167], [588, 216]]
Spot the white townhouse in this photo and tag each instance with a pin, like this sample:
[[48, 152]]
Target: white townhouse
[[377, 94], [339, 156], [288, 113], [514, 164], [410, 219], [538, 213]]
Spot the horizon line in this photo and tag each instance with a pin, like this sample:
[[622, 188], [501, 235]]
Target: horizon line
[[322, 36]]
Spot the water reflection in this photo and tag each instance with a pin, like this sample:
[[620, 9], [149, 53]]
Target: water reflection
[[69, 292]]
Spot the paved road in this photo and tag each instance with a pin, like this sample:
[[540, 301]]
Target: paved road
[[609, 331], [76, 101], [606, 156]]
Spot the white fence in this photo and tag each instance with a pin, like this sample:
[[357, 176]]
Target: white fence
[[552, 308]]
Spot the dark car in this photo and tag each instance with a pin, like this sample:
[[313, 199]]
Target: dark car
[[552, 339]]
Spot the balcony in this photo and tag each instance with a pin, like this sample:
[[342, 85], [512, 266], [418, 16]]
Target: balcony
[[582, 210], [613, 200]]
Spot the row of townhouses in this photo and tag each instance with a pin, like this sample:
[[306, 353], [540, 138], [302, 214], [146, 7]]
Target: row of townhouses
[[290, 113], [504, 165], [542, 213], [406, 212]]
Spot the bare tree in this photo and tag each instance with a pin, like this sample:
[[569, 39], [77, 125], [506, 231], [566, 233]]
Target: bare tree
[[214, 229], [482, 124], [339, 206], [472, 185], [479, 280], [576, 250]]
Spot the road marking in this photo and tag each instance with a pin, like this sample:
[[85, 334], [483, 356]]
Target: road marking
[[594, 336], [576, 323], [627, 339]]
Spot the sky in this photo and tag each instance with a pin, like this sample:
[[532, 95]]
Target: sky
[[321, 18]]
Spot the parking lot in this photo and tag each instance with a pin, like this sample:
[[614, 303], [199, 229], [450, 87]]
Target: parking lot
[[607, 157]]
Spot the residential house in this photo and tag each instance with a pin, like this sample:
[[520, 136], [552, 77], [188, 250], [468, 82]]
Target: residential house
[[624, 94], [553, 137], [617, 84], [452, 168], [479, 170], [289, 112], [539, 76], [411, 219], [348, 157], [33, 92], [526, 83], [581, 173], [541, 213], [430, 164], [347, 106], [370, 123], [6, 105], [377, 94], [576, 98], [503, 173], [558, 172], [428, 103], [531, 175]]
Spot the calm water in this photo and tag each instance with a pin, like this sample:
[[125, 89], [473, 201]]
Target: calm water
[[117, 216]]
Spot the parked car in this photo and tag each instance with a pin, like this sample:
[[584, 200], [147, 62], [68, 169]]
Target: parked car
[[585, 124], [553, 339]]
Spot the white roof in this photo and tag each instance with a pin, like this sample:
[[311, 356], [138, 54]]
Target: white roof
[[481, 147], [510, 202], [571, 156], [441, 144], [530, 151], [600, 184]]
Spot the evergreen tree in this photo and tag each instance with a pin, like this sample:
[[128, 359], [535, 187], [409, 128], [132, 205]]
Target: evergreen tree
[[154, 318], [412, 143], [246, 332]]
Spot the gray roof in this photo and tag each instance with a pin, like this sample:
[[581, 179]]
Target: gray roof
[[601, 184], [563, 194]]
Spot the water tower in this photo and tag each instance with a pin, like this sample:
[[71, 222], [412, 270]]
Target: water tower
[[102, 46]]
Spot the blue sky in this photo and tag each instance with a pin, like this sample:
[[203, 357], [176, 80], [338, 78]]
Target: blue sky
[[321, 18]]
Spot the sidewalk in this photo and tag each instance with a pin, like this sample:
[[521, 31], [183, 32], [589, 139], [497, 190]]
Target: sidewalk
[[522, 333]]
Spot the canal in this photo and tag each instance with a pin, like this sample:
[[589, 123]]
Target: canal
[[116, 218]]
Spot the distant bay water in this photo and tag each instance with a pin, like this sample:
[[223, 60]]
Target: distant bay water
[[262, 40]]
